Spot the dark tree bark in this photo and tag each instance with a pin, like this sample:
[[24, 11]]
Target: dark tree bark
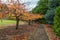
[[29, 22], [17, 22]]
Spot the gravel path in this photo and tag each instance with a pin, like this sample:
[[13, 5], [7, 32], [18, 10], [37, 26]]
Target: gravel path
[[39, 34]]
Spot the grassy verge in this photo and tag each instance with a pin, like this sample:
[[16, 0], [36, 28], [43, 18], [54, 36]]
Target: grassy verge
[[7, 22]]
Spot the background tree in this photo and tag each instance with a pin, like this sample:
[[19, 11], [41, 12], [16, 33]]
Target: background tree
[[41, 7]]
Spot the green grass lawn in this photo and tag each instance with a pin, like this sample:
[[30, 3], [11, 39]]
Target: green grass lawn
[[7, 22]]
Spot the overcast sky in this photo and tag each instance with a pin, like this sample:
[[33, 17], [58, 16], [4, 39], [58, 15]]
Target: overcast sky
[[30, 3]]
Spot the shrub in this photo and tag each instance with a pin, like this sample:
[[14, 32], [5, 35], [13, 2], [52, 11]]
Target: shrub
[[49, 16], [56, 26]]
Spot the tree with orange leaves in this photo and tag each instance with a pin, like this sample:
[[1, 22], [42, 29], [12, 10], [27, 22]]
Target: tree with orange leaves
[[17, 10], [30, 17], [12, 8]]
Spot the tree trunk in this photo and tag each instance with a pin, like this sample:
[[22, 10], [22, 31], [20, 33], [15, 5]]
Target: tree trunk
[[29, 22], [17, 22]]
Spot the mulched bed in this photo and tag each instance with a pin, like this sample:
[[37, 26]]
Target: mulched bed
[[50, 33], [22, 33]]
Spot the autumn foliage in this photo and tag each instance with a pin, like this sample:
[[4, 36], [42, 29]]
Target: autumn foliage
[[19, 9], [29, 16]]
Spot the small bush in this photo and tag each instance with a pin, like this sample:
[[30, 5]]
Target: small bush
[[49, 16], [56, 26]]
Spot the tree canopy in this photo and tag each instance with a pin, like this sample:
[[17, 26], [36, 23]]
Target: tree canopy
[[41, 7]]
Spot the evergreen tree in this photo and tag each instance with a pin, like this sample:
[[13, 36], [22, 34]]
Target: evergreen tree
[[41, 7]]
